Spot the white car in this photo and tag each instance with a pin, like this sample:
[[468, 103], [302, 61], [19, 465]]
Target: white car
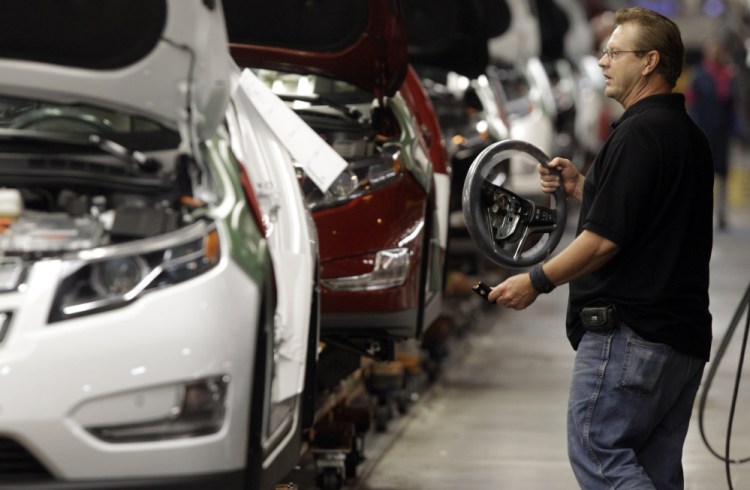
[[523, 91], [520, 82], [291, 235], [158, 297], [521, 40]]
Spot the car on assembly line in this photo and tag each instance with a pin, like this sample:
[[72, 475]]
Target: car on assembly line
[[448, 46], [158, 267], [520, 82], [291, 348], [342, 65]]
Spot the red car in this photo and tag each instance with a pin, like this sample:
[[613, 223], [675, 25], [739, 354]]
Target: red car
[[343, 67]]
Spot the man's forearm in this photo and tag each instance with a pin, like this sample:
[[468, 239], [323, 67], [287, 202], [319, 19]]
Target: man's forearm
[[587, 253]]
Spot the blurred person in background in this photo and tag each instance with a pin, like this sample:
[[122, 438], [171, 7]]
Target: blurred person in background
[[711, 102]]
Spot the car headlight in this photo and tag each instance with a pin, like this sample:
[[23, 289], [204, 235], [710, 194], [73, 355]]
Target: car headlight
[[112, 277], [390, 269], [361, 177], [118, 276]]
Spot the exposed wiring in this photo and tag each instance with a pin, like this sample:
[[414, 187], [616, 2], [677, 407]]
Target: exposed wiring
[[744, 303]]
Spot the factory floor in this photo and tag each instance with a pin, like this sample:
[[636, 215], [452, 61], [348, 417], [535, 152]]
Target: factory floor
[[495, 418]]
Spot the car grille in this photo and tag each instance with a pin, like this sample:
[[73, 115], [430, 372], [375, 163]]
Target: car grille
[[17, 464]]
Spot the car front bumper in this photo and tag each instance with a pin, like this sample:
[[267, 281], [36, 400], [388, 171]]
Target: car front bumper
[[351, 236], [119, 367]]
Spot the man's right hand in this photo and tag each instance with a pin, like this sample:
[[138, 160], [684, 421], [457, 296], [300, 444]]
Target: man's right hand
[[569, 177]]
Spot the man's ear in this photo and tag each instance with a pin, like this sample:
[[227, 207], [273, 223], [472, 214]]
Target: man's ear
[[652, 60]]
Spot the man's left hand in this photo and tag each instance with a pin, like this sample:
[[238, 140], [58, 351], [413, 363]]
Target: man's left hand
[[515, 292]]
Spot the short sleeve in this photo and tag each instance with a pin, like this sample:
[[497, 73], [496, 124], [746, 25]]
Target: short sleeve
[[626, 177]]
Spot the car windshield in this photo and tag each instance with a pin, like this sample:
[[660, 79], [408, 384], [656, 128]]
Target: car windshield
[[131, 131]]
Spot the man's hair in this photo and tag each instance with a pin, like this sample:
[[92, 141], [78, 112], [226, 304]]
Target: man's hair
[[657, 32]]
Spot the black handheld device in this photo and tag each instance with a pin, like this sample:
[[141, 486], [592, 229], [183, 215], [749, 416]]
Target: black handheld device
[[482, 290]]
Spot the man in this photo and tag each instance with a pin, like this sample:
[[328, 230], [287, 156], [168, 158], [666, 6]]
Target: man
[[638, 269]]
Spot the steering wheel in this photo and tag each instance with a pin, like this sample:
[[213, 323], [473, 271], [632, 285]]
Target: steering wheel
[[509, 229], [69, 117]]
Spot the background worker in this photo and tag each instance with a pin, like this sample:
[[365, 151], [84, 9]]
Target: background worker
[[711, 103]]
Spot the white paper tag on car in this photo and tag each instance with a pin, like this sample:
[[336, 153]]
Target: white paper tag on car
[[319, 161]]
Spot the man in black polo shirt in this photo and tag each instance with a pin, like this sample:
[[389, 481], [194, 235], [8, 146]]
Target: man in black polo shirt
[[638, 269]]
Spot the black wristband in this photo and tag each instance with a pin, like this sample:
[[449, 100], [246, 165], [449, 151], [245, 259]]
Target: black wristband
[[539, 281]]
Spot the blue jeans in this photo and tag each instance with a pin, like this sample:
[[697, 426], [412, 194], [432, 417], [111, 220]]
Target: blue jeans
[[628, 412]]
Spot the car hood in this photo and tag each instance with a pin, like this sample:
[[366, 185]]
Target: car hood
[[163, 59], [362, 42]]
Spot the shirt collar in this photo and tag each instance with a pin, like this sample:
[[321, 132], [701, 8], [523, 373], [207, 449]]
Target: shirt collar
[[674, 101]]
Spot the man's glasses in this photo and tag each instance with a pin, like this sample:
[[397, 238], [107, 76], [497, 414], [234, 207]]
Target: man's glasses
[[613, 54]]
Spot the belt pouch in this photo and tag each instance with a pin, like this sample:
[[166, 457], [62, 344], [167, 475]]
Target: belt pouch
[[598, 318]]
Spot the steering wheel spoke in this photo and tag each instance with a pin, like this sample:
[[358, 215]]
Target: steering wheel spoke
[[521, 245]]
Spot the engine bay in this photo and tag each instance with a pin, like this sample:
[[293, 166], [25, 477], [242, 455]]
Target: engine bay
[[50, 205]]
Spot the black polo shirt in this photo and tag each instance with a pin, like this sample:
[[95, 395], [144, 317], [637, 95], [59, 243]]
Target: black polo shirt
[[650, 191]]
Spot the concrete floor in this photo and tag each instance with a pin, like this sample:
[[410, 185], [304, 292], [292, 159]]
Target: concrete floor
[[496, 417]]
